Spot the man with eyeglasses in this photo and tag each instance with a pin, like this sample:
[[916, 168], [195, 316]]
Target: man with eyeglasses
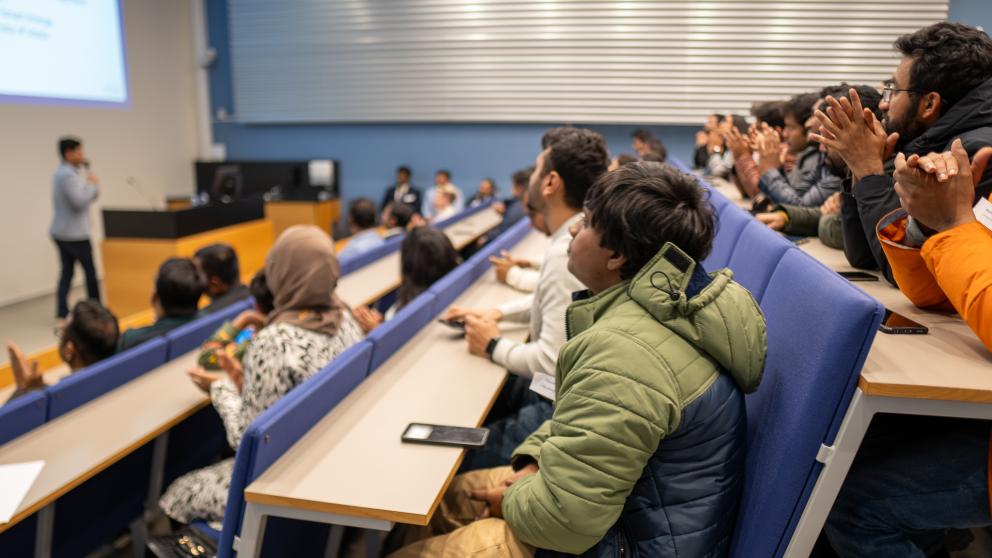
[[940, 91], [915, 478]]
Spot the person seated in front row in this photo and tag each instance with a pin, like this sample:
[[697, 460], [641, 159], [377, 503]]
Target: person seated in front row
[[219, 265], [178, 289], [426, 255], [364, 235], [234, 336], [308, 327], [88, 336], [444, 203], [564, 172], [396, 218], [486, 193], [645, 450]]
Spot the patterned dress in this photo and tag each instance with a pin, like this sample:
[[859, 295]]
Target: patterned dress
[[279, 358]]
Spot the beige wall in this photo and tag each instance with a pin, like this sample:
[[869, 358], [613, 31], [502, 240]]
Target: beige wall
[[152, 144]]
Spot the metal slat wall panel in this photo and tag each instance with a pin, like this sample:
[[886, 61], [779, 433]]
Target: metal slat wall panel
[[642, 61]]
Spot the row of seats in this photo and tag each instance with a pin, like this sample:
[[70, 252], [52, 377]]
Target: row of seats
[[820, 328]]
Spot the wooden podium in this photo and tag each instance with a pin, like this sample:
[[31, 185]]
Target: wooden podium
[[288, 212], [137, 242]]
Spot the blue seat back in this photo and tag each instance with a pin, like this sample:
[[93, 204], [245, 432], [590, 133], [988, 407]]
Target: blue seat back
[[392, 334], [820, 329], [276, 430], [22, 415], [189, 336], [754, 258], [452, 285], [104, 376], [729, 226]]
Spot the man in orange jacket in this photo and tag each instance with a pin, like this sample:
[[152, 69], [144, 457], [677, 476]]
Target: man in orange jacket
[[952, 268]]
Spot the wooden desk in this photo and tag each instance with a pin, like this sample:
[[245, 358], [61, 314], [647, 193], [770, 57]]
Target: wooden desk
[[352, 469], [946, 373], [87, 440], [370, 283]]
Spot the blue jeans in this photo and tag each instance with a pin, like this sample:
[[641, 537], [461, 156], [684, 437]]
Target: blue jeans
[[524, 412], [912, 478]]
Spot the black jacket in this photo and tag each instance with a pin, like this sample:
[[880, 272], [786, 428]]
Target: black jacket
[[875, 196], [411, 198]]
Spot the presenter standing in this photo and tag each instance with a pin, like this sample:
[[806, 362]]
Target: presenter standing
[[74, 190]]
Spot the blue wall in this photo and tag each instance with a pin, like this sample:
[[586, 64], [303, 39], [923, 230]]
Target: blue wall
[[369, 153]]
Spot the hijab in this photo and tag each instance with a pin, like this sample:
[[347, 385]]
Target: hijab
[[302, 273]]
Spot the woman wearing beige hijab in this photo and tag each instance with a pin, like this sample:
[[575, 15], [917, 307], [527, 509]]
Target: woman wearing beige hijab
[[307, 329]]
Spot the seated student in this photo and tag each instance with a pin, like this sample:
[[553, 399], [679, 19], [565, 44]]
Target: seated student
[[444, 203], [940, 91], [822, 222], [426, 255], [396, 218], [402, 191], [640, 141], [512, 208], [234, 336], [219, 265], [645, 450], [307, 329], [442, 180], [720, 161], [702, 153], [178, 289], [486, 193], [88, 336], [563, 174], [656, 151], [364, 235]]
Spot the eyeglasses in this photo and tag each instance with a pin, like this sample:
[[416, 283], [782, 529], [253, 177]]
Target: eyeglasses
[[887, 92]]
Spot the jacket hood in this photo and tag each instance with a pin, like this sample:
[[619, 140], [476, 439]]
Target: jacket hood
[[722, 319], [972, 112]]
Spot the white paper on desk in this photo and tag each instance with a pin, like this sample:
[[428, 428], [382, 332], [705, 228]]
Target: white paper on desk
[[543, 385], [15, 481]]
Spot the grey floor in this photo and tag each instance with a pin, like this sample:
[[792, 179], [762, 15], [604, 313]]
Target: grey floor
[[31, 323]]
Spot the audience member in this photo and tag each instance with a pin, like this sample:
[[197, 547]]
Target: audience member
[[823, 222], [771, 113], [486, 193], [88, 336], [590, 481], [657, 150], [178, 288], [396, 218], [426, 255], [364, 234], [234, 336], [810, 182], [703, 138], [219, 265], [512, 208], [75, 188], [445, 198], [940, 91], [562, 176], [621, 160], [640, 141], [307, 329], [402, 191], [442, 181]]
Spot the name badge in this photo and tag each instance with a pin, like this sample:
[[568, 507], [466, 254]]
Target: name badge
[[543, 385], [409, 198], [983, 212]]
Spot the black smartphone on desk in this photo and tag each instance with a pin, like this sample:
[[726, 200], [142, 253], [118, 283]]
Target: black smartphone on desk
[[454, 324], [894, 323], [857, 276], [439, 435]]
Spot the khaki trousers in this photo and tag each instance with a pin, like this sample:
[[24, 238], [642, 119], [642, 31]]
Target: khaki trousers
[[454, 530]]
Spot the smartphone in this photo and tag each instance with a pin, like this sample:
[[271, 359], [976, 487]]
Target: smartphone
[[454, 324], [435, 434], [798, 240], [857, 276], [897, 323]]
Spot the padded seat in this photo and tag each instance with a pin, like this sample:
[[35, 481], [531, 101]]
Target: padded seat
[[756, 255]]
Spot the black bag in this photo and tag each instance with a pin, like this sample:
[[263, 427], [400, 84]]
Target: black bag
[[184, 543]]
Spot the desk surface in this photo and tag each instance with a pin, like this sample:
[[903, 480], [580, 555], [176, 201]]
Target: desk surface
[[112, 426], [949, 363], [353, 463], [372, 282]]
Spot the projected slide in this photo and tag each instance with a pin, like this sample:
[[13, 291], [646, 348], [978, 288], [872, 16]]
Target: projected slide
[[71, 50]]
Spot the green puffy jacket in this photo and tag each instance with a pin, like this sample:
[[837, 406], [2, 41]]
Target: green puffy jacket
[[637, 355]]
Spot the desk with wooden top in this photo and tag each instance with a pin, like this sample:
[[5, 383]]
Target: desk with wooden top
[[346, 470], [82, 443], [946, 373]]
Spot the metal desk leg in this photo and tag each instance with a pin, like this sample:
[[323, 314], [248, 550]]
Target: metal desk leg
[[139, 527], [373, 542], [334, 540], [43, 532], [836, 461], [249, 544]]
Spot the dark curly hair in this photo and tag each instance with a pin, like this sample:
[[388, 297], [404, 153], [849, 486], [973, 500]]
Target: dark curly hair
[[639, 207], [801, 106], [950, 59], [870, 97], [579, 156], [770, 112]]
